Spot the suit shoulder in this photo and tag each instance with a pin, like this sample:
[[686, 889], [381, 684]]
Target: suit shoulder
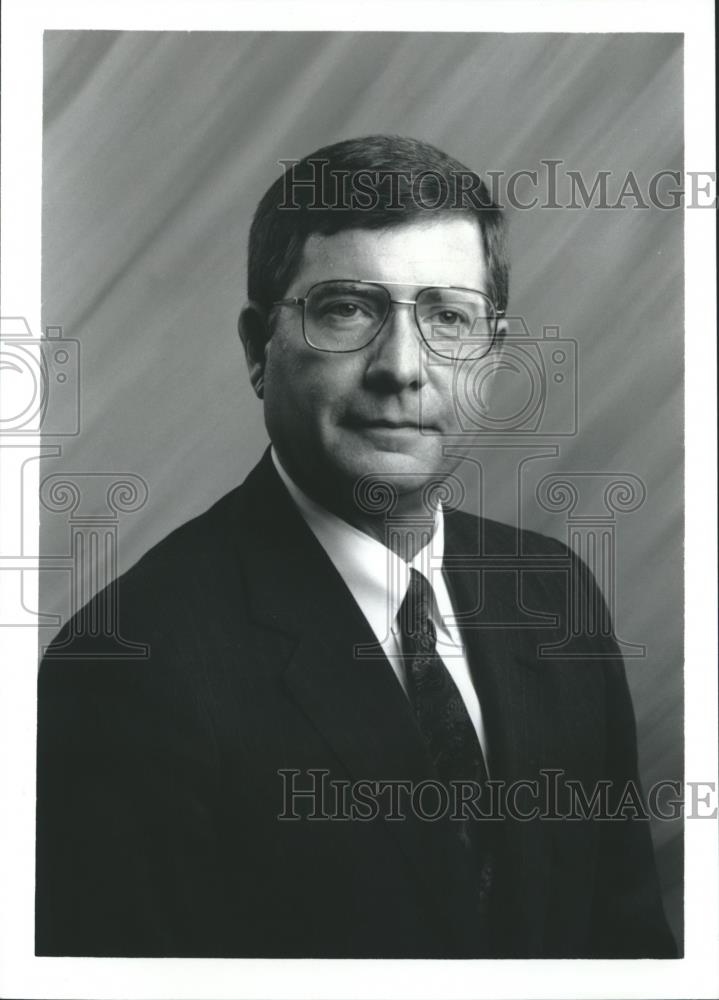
[[206, 532], [194, 552], [500, 538], [173, 581]]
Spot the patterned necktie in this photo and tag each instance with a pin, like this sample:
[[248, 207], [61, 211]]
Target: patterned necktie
[[440, 710], [447, 730]]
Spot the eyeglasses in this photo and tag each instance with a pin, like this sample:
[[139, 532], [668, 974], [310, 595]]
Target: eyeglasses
[[344, 315]]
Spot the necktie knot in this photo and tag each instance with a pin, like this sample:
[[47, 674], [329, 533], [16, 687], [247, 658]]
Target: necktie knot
[[414, 614]]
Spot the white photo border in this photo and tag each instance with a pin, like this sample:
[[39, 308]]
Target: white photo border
[[696, 975]]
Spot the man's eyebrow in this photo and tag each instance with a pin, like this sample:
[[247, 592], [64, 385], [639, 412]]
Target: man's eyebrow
[[406, 286], [434, 292], [439, 292]]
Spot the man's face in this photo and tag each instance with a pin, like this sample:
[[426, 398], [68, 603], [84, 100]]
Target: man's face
[[383, 410]]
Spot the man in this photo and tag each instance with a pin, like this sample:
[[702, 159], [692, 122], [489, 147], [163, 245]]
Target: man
[[330, 642]]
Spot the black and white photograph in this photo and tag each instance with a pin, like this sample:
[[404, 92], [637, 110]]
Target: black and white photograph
[[364, 548]]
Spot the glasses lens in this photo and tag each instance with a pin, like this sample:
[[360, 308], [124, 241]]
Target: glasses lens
[[456, 323], [344, 315]]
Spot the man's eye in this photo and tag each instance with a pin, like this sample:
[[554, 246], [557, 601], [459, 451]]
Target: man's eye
[[345, 310], [448, 317]]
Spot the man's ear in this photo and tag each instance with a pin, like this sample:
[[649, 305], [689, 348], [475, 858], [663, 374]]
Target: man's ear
[[499, 336], [252, 326], [485, 371]]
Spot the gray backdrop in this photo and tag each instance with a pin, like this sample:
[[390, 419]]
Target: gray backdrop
[[157, 147]]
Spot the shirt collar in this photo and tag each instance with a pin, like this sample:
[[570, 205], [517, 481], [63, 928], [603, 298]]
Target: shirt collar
[[377, 578]]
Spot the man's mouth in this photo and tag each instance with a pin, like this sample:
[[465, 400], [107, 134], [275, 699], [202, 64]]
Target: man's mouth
[[382, 423]]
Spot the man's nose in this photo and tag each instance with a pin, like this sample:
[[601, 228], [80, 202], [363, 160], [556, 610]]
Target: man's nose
[[398, 357]]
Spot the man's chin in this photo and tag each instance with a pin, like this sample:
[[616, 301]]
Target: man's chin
[[401, 472]]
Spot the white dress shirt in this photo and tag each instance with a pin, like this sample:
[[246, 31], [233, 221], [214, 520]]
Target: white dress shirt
[[378, 580]]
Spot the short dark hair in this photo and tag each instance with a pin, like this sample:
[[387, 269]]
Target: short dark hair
[[310, 197]]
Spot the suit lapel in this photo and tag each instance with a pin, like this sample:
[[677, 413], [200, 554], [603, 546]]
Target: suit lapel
[[510, 694], [356, 704]]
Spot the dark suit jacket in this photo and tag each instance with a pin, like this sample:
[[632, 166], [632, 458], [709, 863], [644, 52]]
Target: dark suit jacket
[[158, 785]]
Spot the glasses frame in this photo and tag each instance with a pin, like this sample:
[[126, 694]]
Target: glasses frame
[[302, 301]]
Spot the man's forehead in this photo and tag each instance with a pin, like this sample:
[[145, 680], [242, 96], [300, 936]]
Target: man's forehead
[[437, 251]]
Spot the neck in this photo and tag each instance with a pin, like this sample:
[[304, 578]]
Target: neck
[[405, 526], [404, 522]]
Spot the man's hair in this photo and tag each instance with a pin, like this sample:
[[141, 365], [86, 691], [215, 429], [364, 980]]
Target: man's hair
[[373, 182]]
